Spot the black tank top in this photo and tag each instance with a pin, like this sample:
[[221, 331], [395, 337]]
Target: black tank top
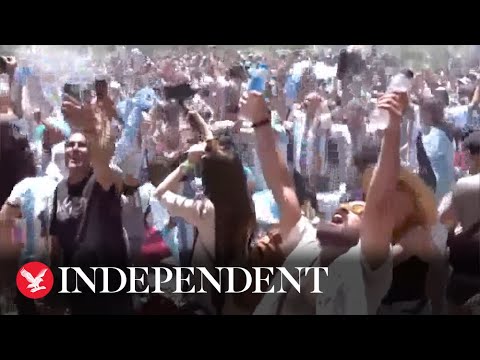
[[408, 281], [464, 255]]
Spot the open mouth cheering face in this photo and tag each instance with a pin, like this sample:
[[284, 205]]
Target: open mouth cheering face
[[349, 214]]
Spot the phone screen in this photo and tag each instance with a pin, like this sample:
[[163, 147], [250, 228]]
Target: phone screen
[[73, 90], [101, 89]]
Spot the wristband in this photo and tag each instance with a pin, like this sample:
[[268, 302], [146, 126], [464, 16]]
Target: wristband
[[261, 123]]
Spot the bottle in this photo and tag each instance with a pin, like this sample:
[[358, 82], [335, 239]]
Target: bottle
[[401, 82], [258, 79]]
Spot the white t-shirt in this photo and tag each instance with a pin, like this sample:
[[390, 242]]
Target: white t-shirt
[[351, 287], [34, 196], [201, 214]]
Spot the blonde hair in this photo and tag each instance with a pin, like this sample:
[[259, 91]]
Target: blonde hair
[[423, 196]]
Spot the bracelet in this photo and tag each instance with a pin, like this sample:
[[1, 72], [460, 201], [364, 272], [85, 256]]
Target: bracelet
[[261, 123]]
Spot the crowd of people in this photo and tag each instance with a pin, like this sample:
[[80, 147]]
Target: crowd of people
[[210, 158]]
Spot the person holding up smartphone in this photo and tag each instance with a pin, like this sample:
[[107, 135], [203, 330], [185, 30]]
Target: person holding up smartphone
[[103, 100]]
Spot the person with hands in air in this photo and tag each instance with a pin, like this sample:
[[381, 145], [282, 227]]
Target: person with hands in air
[[224, 216], [8, 66], [86, 226], [306, 140], [362, 269], [103, 102], [401, 232], [295, 233]]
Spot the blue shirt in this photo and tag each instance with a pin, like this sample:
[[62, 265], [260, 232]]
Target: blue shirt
[[440, 151]]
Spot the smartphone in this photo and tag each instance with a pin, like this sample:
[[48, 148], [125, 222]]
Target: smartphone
[[73, 90], [101, 88]]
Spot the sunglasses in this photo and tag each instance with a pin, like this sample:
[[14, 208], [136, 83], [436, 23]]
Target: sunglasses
[[355, 207]]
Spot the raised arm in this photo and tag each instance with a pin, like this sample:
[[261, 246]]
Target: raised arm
[[273, 164], [15, 86], [378, 222], [201, 125], [97, 130], [172, 181]]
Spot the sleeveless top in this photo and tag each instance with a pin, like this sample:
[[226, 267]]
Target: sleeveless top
[[408, 281], [409, 277]]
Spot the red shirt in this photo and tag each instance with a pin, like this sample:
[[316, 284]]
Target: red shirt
[[155, 245]]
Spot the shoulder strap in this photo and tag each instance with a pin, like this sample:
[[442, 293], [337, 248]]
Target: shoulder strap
[[425, 167], [62, 189]]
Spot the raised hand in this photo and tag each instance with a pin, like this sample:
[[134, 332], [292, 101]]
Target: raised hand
[[78, 115], [312, 103], [95, 125], [108, 106], [395, 104], [254, 107]]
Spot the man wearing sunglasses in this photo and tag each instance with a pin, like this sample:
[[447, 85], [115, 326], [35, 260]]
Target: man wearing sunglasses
[[359, 276]]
